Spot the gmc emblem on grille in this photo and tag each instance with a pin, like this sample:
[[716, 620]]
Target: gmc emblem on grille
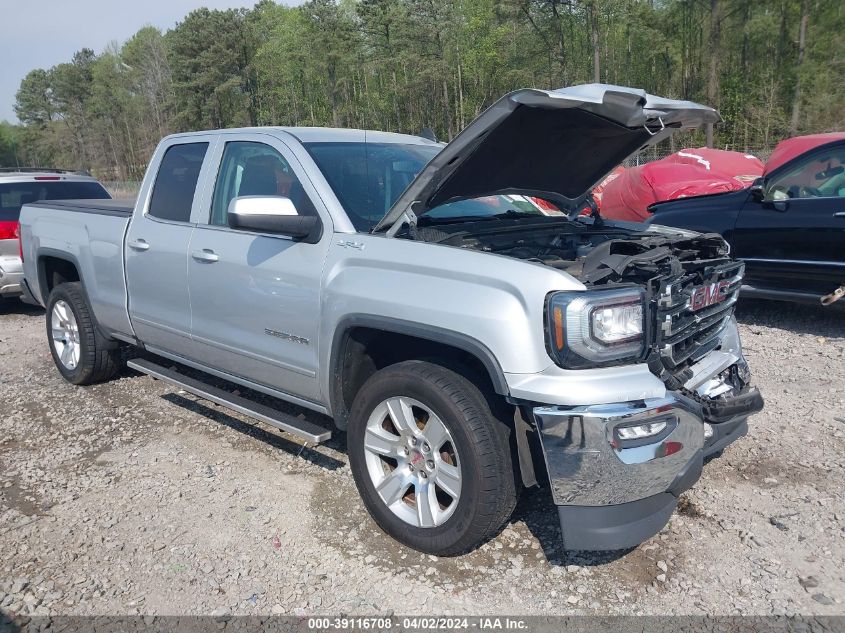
[[709, 294]]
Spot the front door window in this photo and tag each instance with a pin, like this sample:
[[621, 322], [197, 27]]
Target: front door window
[[820, 175], [255, 169]]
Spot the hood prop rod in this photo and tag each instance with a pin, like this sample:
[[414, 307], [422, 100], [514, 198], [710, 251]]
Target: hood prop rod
[[594, 210], [408, 217], [662, 127]]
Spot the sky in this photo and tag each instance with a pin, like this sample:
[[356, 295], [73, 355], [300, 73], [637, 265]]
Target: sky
[[43, 33]]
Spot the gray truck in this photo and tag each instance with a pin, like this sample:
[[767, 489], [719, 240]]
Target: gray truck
[[447, 306]]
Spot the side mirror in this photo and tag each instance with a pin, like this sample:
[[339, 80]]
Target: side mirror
[[273, 214], [757, 191], [779, 199]]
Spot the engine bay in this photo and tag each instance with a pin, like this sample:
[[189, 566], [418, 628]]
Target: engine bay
[[594, 253], [669, 264]]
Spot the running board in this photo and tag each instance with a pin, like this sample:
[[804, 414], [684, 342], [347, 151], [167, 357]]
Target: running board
[[303, 429]]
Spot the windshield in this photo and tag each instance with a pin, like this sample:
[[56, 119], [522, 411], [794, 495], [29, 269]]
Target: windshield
[[367, 178], [496, 206], [14, 195]]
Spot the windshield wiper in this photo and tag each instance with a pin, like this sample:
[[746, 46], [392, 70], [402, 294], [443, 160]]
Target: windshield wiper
[[513, 213], [426, 220]]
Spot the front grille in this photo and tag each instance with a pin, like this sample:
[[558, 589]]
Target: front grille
[[683, 333]]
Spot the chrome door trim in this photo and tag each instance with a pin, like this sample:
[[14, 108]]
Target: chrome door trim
[[808, 262]]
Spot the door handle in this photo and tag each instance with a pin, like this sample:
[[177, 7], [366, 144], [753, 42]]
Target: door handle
[[839, 214], [205, 255], [139, 245]]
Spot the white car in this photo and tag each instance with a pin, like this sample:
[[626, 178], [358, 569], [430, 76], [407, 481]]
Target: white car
[[19, 186]]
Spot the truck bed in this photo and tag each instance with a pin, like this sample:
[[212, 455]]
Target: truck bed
[[89, 234]]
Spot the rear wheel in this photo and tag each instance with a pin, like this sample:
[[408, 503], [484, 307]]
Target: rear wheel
[[431, 460], [81, 356]]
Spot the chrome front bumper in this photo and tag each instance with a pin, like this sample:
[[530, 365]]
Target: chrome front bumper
[[588, 464], [614, 493], [11, 275]]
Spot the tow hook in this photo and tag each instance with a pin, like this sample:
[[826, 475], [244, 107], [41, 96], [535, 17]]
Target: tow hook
[[834, 296]]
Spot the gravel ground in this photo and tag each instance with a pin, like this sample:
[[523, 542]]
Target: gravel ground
[[130, 497]]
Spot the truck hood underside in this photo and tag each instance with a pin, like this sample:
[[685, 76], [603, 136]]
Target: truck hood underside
[[552, 144]]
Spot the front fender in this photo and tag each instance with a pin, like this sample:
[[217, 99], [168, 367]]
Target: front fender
[[715, 213], [490, 305]]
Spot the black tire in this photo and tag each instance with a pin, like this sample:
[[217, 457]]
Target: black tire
[[99, 359], [488, 493]]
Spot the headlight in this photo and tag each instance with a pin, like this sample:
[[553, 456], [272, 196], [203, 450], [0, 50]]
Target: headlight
[[617, 323], [586, 329]]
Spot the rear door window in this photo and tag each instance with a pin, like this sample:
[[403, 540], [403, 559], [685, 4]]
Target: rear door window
[[176, 182], [14, 195]]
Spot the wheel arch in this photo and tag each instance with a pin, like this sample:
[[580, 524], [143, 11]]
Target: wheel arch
[[362, 344], [56, 267]]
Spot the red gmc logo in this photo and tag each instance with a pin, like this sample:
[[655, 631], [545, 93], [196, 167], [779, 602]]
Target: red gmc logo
[[709, 294]]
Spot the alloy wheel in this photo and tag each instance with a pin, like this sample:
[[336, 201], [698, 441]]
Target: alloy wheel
[[65, 334], [412, 462]]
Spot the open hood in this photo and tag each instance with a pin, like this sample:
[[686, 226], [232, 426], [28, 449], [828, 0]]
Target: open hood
[[553, 144]]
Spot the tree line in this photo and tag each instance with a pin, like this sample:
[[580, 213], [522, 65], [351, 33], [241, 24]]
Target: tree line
[[773, 68]]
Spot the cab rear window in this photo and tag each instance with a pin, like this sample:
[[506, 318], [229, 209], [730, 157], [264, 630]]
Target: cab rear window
[[14, 195]]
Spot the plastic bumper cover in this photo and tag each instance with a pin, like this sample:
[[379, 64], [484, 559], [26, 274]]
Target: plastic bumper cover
[[613, 494], [27, 296], [11, 275]]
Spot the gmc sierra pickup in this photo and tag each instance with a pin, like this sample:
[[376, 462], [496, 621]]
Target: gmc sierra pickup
[[444, 304]]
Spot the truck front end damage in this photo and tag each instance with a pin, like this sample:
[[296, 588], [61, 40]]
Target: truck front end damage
[[648, 378], [617, 469]]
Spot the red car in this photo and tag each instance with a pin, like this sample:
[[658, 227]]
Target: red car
[[626, 194]]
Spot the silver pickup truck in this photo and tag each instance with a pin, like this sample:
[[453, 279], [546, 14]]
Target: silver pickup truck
[[446, 305]]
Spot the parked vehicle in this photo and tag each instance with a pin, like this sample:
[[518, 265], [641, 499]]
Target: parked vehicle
[[20, 186], [686, 173], [788, 227], [354, 274]]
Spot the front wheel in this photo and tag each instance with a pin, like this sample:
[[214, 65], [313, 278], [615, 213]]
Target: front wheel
[[430, 459], [80, 355]]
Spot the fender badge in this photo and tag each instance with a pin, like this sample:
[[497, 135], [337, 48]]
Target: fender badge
[[288, 337], [350, 244]]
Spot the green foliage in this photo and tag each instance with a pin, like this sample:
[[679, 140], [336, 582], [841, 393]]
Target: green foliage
[[9, 139], [402, 65], [34, 98]]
